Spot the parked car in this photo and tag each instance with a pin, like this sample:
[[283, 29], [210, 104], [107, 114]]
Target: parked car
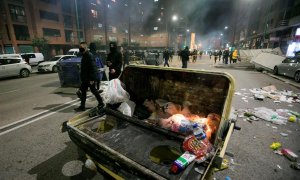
[[289, 67], [51, 64], [14, 67], [74, 51], [33, 58]]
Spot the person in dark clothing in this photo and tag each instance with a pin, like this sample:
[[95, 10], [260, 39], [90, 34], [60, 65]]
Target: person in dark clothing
[[216, 55], [220, 54], [166, 57], [88, 75], [93, 50], [226, 55], [185, 55], [126, 58], [114, 61]]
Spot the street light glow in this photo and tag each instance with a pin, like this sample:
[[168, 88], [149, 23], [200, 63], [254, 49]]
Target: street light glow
[[174, 18], [159, 19], [188, 30], [221, 34], [226, 27]]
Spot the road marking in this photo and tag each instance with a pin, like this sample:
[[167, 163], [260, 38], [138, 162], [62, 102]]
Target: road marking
[[10, 91], [31, 119]]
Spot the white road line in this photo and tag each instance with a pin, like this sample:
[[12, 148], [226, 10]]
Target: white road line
[[25, 119], [37, 119], [9, 91]]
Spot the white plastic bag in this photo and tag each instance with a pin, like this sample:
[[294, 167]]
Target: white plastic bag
[[115, 92], [127, 108]]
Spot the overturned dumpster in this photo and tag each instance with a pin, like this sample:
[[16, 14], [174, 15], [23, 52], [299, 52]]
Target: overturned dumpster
[[134, 147]]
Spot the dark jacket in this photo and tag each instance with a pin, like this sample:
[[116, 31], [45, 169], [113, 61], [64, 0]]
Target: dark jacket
[[166, 55], [88, 71], [115, 58], [185, 55]]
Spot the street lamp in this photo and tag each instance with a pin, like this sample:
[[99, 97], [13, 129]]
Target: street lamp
[[226, 27], [174, 18]]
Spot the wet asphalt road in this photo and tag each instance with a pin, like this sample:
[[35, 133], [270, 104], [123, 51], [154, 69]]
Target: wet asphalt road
[[34, 148]]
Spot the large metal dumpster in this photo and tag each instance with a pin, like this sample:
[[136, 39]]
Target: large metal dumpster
[[69, 71], [130, 148]]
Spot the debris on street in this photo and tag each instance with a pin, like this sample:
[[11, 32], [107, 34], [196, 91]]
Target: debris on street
[[289, 154], [275, 145], [295, 165]]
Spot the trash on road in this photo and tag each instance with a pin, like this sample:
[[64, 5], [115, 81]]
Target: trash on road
[[272, 93], [289, 154], [295, 165], [284, 134], [275, 145], [278, 152]]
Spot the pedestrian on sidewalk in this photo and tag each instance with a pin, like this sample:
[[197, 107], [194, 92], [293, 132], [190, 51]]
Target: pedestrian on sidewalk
[[235, 56], [216, 55], [225, 56], [88, 75], [166, 56], [185, 55], [220, 54], [114, 61]]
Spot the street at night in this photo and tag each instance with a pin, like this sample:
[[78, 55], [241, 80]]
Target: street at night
[[150, 89], [35, 148]]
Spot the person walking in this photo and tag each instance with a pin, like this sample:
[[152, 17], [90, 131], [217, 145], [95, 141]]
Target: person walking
[[216, 55], [226, 55], [99, 64], [220, 54], [235, 56], [185, 54], [88, 75], [166, 56], [114, 61]]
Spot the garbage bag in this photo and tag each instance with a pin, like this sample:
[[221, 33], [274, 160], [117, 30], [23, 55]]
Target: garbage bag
[[115, 93], [127, 108], [269, 115]]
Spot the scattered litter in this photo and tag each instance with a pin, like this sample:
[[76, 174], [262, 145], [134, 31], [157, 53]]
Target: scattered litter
[[275, 145], [244, 98], [278, 96], [292, 118], [259, 97], [238, 93], [290, 105], [246, 101], [278, 152], [269, 115], [288, 131], [284, 134], [289, 154], [244, 89], [254, 137], [267, 124], [227, 178], [295, 165], [274, 127], [279, 167]]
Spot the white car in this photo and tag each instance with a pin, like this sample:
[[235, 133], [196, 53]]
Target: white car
[[33, 58], [14, 67], [51, 64]]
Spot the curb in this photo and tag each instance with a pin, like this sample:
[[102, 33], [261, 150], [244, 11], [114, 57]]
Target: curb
[[288, 81]]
